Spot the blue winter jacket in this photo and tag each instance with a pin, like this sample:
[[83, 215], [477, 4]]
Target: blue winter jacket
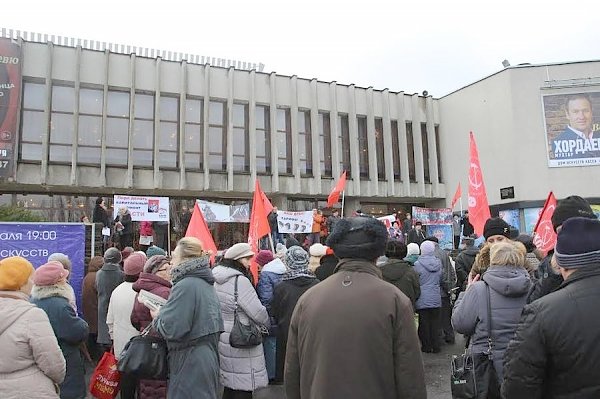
[[270, 276], [430, 275]]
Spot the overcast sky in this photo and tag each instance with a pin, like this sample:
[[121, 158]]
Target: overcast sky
[[436, 45]]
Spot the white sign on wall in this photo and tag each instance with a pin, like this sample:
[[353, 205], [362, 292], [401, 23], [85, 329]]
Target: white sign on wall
[[149, 209], [294, 222]]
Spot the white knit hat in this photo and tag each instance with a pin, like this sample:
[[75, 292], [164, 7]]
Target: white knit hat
[[412, 249], [317, 249]]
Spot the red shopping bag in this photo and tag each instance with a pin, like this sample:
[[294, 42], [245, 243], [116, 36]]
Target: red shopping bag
[[106, 379]]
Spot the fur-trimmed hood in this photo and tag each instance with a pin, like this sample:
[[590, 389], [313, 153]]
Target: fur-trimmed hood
[[63, 290]]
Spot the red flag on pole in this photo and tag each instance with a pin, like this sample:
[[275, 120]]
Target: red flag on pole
[[259, 224], [199, 229], [266, 202], [479, 209], [334, 197], [457, 195], [544, 236]]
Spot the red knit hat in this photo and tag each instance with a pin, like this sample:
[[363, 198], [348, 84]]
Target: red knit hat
[[134, 264], [264, 257], [49, 274]]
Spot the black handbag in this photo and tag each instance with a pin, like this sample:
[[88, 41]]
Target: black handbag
[[473, 376], [242, 335], [145, 357]]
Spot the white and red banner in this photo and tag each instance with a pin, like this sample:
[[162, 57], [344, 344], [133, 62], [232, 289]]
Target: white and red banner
[[294, 222], [143, 209], [479, 209], [544, 236]]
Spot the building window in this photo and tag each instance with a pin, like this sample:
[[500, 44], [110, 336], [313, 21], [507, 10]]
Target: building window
[[217, 137], [325, 141], [284, 141], [439, 153], [396, 151], [241, 157], [263, 139], [304, 143], [34, 124], [62, 127], [410, 144], [117, 128], [168, 135], [344, 144], [425, 141], [380, 148], [193, 134], [89, 135], [363, 147], [143, 130]]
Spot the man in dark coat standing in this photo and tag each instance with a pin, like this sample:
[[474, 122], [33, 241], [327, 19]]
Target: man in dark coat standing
[[464, 262], [555, 351], [107, 279], [416, 234], [343, 345], [399, 272]]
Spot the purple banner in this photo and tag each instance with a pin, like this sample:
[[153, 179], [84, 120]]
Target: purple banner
[[36, 241]]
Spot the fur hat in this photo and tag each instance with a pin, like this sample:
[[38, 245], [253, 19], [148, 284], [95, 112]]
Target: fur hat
[[573, 206], [358, 238], [239, 251], [154, 250], [14, 273], [578, 243], [112, 255], [317, 250], [427, 248], [263, 257], [496, 227], [413, 249], [50, 273], [134, 264], [395, 249]]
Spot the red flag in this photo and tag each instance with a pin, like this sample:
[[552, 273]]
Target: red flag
[[259, 225], [334, 197], [199, 229], [266, 202], [457, 195], [479, 209], [544, 236]]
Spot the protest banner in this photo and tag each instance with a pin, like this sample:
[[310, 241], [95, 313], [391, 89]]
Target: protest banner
[[387, 220], [443, 232], [295, 222], [432, 216], [143, 209], [36, 241], [219, 213]]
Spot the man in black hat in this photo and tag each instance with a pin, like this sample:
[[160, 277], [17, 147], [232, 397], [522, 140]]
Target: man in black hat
[[555, 351], [416, 234], [353, 335]]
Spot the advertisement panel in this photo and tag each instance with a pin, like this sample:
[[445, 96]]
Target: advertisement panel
[[512, 217], [143, 209], [219, 213], [443, 232], [295, 222], [431, 215], [10, 90], [572, 125], [36, 241], [531, 217]]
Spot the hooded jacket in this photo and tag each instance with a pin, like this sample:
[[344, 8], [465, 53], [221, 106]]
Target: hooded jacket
[[401, 274], [241, 368], [31, 361], [509, 286], [270, 277], [429, 269], [70, 331]]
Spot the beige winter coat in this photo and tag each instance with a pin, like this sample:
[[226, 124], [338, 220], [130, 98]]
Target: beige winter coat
[[31, 362]]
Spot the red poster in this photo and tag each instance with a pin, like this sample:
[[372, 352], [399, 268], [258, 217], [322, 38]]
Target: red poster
[[479, 209], [10, 90]]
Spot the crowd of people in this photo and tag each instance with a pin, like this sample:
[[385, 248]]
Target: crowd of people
[[351, 316]]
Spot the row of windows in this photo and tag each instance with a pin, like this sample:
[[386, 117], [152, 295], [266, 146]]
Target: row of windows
[[87, 128]]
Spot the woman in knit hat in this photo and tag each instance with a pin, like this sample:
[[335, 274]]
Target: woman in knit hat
[[316, 252], [429, 303], [272, 269], [294, 283], [51, 294], [327, 264], [412, 253], [243, 370], [27, 341]]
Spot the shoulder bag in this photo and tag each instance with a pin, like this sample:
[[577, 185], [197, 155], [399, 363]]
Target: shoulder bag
[[145, 357], [472, 375], [242, 335]]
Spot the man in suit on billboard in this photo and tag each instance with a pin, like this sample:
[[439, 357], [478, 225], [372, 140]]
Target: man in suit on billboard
[[578, 140]]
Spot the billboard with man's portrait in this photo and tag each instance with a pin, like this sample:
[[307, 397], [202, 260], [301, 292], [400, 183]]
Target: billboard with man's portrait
[[572, 124]]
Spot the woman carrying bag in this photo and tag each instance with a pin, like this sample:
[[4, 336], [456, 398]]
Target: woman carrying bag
[[501, 294]]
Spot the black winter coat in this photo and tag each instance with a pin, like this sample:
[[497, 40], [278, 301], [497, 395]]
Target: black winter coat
[[401, 274], [548, 281], [555, 351], [327, 267], [464, 263], [100, 216]]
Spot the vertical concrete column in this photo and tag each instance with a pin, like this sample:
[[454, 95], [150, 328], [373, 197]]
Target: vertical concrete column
[[333, 123], [373, 173], [182, 117], [387, 143], [230, 142], [252, 130], [102, 181], [294, 123], [432, 147], [74, 142], [273, 133], [404, 172], [315, 187], [418, 144], [353, 133], [205, 140], [156, 163], [47, 117], [129, 177]]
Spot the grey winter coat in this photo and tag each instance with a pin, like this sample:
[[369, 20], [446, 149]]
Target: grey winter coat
[[191, 322], [107, 279], [448, 273], [241, 369], [509, 286], [430, 275], [70, 331]]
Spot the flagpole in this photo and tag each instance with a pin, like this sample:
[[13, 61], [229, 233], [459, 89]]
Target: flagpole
[[343, 197]]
